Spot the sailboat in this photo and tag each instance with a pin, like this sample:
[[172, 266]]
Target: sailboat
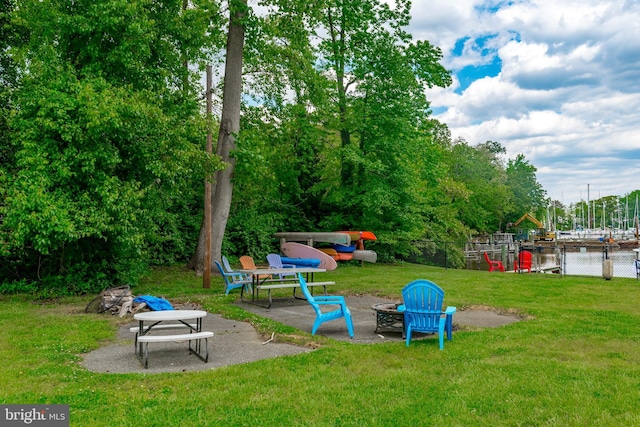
[[632, 230]]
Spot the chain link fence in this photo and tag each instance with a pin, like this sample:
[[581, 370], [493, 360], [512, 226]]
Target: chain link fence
[[435, 253], [605, 260]]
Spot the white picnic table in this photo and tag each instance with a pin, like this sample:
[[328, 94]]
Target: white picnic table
[[170, 319]]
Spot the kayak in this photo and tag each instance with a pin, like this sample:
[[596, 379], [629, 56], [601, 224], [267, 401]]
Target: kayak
[[360, 235], [344, 249]]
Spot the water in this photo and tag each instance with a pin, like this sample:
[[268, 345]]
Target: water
[[581, 262], [590, 263]]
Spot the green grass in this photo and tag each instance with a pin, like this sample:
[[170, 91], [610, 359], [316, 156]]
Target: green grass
[[573, 361]]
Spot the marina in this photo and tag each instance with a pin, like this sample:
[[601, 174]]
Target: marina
[[578, 254]]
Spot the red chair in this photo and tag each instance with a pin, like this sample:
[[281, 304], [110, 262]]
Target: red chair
[[523, 262], [493, 265]]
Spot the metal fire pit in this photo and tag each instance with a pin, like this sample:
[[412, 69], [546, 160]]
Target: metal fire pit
[[388, 318]]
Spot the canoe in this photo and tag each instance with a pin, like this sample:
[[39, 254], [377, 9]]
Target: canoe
[[354, 235], [367, 256], [360, 235], [315, 237]]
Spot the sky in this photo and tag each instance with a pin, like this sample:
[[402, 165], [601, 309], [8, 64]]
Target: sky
[[555, 80]]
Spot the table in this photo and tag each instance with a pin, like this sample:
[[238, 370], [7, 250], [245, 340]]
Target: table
[[169, 315], [265, 271], [388, 318], [179, 319], [263, 278]]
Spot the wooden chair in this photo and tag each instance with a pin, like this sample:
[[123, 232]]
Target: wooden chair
[[323, 300], [422, 308], [494, 265], [523, 262]]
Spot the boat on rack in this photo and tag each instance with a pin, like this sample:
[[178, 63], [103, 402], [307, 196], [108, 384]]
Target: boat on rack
[[340, 245], [315, 237]]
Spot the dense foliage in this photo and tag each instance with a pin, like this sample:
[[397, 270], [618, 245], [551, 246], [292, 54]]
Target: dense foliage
[[102, 150], [107, 139]]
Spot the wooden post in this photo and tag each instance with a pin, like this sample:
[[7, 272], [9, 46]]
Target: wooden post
[[206, 275]]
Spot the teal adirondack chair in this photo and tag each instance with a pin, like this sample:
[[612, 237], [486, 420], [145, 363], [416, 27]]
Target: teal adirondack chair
[[323, 300], [422, 310], [231, 280], [237, 276]]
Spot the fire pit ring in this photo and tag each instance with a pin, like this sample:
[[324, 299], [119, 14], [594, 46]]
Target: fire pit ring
[[388, 318]]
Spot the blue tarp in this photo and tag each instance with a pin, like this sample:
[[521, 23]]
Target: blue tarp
[[154, 303], [301, 262]]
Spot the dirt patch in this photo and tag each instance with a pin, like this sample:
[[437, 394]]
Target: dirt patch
[[483, 318], [511, 312]]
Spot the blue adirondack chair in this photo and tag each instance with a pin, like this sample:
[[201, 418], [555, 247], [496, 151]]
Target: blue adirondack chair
[[231, 280], [317, 301], [422, 310], [237, 276]]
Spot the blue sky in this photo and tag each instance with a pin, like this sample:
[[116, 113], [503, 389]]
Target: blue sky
[[557, 81]]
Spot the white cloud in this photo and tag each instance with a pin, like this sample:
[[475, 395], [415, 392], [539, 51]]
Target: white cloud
[[567, 96]]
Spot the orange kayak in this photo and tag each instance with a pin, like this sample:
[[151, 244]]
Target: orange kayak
[[360, 235], [338, 256]]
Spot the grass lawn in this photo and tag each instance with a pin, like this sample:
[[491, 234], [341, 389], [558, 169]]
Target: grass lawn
[[573, 361]]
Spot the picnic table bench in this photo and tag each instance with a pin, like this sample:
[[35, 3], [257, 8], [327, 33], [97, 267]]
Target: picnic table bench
[[264, 279], [194, 332]]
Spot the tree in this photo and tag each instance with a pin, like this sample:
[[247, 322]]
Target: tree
[[229, 127], [339, 120], [527, 193], [108, 138], [482, 173], [10, 35], [377, 70], [560, 216]]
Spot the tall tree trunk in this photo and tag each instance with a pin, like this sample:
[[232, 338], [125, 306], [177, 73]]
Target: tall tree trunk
[[229, 125], [337, 32]]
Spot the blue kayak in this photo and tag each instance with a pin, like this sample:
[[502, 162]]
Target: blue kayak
[[343, 248], [301, 262]]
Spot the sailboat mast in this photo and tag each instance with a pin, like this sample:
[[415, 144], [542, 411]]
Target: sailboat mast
[[588, 209], [626, 213], [635, 216]]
